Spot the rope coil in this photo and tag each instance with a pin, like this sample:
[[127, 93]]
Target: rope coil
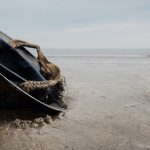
[[49, 70]]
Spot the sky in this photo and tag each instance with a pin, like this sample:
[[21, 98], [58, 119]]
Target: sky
[[78, 23]]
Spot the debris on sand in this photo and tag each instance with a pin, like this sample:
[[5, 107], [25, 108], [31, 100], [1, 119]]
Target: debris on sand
[[37, 122], [48, 119]]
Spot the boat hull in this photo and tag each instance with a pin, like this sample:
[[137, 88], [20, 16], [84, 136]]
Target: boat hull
[[12, 98]]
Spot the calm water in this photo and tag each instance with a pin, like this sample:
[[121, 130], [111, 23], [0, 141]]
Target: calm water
[[98, 52], [69, 56]]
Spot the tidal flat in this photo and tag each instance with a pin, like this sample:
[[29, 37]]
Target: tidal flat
[[109, 107]]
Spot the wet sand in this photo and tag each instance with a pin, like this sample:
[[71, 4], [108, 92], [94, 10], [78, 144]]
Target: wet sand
[[109, 109]]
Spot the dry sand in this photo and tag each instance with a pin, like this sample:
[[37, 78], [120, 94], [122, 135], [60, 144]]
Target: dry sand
[[109, 110]]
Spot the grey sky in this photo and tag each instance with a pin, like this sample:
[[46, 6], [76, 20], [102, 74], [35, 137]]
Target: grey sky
[[78, 23]]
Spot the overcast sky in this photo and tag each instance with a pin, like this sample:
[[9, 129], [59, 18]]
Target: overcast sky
[[78, 23]]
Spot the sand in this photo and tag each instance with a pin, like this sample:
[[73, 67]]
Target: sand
[[109, 110]]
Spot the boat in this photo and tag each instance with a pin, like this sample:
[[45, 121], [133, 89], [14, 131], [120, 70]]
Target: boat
[[28, 82]]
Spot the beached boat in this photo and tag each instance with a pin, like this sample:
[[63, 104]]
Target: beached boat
[[27, 82]]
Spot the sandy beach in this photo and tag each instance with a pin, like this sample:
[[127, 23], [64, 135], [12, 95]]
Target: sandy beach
[[109, 108]]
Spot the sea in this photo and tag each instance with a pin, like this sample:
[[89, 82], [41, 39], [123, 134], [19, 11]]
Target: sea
[[79, 56]]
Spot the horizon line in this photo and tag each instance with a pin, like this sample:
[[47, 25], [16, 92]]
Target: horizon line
[[100, 48]]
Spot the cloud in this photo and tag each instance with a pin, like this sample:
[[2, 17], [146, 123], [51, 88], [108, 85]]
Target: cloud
[[78, 23], [105, 27], [101, 35]]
